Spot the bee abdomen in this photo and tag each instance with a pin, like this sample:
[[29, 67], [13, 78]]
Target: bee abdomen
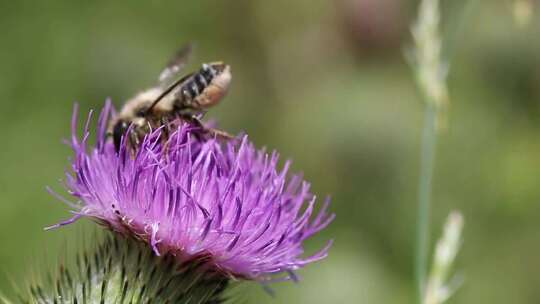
[[197, 83], [208, 72]]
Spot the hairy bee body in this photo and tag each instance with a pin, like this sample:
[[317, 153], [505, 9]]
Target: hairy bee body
[[184, 99]]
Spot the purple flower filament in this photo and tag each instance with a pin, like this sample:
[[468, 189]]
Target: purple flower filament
[[191, 198]]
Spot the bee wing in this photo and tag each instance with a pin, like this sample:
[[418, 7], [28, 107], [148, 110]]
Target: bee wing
[[175, 66], [173, 88]]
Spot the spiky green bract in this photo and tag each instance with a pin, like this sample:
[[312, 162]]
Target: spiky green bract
[[122, 270]]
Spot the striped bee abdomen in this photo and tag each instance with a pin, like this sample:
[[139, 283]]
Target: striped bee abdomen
[[193, 93]]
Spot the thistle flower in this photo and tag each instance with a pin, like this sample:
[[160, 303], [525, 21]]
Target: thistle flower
[[188, 198]]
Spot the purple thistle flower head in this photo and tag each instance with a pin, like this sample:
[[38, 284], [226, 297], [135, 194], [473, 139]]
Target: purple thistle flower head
[[189, 198]]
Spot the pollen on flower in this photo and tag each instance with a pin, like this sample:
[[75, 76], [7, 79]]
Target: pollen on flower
[[189, 198]]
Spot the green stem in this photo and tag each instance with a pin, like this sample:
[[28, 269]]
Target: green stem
[[427, 165]]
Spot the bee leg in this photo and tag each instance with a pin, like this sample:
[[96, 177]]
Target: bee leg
[[196, 122], [208, 130], [166, 131], [132, 142], [219, 133], [164, 121]]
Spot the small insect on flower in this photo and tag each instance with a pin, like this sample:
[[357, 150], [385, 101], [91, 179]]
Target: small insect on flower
[[173, 99]]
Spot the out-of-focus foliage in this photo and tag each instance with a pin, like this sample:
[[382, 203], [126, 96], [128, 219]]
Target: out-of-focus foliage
[[325, 83]]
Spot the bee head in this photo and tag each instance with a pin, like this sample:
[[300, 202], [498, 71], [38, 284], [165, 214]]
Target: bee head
[[120, 129]]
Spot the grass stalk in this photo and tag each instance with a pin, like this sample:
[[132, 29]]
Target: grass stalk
[[430, 71], [427, 166]]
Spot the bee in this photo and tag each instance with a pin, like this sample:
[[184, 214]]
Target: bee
[[186, 99]]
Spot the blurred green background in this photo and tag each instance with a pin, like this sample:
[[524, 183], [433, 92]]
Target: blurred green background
[[325, 83]]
